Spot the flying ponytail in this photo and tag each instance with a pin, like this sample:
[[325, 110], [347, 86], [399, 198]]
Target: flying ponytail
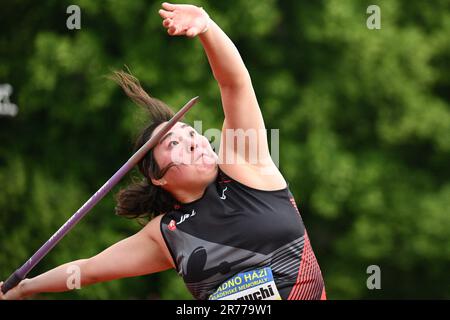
[[142, 199]]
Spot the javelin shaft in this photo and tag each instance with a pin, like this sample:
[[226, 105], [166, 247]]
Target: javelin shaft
[[21, 273]]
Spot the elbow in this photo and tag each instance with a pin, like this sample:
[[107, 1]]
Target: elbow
[[235, 80]]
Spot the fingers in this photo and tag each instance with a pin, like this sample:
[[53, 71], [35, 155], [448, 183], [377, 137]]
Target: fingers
[[168, 6], [182, 24], [166, 14], [176, 31], [173, 31], [167, 23]]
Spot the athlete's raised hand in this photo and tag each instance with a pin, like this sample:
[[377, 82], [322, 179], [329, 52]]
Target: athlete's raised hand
[[184, 19]]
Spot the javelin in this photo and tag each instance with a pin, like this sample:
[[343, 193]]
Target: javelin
[[22, 272]]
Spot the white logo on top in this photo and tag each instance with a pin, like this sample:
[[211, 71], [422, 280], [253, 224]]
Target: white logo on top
[[223, 197], [186, 216]]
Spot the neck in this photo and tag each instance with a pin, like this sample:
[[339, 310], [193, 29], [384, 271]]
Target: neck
[[193, 192], [186, 196]]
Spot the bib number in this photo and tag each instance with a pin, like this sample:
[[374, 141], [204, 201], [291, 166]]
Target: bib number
[[255, 284]]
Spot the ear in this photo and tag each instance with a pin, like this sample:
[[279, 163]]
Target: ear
[[159, 182]]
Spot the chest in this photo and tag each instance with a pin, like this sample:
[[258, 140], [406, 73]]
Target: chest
[[245, 222]]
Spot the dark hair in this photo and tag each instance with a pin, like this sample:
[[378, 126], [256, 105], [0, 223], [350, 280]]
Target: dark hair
[[143, 199]]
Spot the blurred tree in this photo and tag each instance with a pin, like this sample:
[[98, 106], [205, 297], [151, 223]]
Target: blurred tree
[[363, 115]]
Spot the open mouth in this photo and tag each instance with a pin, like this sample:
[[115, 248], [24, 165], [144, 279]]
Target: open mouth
[[200, 157], [204, 158]]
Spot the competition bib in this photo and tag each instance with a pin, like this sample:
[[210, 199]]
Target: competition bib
[[255, 284]]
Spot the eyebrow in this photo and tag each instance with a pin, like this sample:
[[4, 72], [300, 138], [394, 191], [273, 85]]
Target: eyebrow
[[170, 133]]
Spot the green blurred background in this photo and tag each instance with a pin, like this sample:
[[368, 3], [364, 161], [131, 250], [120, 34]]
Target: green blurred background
[[363, 115]]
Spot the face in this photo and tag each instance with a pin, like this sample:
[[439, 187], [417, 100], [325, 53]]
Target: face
[[194, 159]]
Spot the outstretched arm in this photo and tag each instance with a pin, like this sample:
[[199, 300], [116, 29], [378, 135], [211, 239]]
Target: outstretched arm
[[238, 97], [226, 63], [137, 255]]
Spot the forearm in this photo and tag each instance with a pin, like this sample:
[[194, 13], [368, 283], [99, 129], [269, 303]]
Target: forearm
[[57, 279], [224, 58]]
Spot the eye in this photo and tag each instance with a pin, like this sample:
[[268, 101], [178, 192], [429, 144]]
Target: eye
[[192, 133], [173, 143]]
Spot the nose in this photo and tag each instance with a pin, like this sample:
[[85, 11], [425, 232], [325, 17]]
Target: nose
[[193, 145]]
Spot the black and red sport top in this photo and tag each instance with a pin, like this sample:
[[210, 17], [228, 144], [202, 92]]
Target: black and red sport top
[[233, 228]]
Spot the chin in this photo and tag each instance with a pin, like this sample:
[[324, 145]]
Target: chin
[[201, 172], [206, 168]]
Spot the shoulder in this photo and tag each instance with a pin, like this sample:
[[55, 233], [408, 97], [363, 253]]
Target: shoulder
[[153, 227], [267, 178], [153, 230]]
